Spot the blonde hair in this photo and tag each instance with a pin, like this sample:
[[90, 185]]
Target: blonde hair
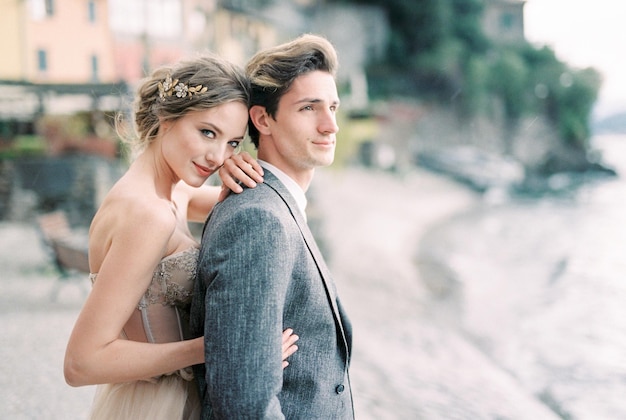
[[272, 71], [224, 82]]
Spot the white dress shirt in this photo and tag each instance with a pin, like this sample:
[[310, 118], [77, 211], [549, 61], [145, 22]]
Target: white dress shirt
[[291, 185]]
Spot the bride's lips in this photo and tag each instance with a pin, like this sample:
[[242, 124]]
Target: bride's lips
[[203, 170]]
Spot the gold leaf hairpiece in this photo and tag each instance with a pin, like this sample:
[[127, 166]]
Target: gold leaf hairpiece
[[171, 87]]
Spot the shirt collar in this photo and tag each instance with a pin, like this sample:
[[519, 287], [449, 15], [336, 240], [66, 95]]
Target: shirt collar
[[291, 185]]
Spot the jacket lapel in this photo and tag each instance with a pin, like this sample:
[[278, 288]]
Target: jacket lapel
[[329, 286]]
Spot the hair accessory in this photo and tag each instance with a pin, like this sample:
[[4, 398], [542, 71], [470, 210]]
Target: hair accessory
[[180, 89]]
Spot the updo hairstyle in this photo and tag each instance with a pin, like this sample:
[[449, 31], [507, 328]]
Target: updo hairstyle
[[218, 82]]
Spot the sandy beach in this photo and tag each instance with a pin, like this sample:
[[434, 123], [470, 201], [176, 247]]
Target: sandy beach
[[410, 360]]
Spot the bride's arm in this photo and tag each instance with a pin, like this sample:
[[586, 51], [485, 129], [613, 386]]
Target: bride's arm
[[138, 236]]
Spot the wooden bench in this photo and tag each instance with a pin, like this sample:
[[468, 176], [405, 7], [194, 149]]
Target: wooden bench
[[67, 249]]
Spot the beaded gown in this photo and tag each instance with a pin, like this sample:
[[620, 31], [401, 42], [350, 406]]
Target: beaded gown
[[162, 316]]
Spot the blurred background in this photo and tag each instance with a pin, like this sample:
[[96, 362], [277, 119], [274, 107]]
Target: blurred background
[[473, 217]]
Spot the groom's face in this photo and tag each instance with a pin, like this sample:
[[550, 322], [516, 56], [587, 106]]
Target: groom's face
[[304, 128]]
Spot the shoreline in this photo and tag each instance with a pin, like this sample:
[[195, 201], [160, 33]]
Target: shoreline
[[410, 358]]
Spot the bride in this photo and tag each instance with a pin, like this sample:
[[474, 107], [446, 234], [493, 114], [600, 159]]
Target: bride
[[131, 335]]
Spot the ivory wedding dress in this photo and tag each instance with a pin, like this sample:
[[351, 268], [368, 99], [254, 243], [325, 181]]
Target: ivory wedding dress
[[162, 316]]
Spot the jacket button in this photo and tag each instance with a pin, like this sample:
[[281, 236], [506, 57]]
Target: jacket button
[[340, 388]]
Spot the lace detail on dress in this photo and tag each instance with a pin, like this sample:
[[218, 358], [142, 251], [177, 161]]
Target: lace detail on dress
[[163, 310], [170, 281]]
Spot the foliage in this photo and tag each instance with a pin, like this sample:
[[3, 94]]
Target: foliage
[[66, 126], [508, 80], [24, 145], [438, 52], [564, 94]]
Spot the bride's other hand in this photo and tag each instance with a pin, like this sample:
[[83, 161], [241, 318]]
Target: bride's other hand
[[289, 346]]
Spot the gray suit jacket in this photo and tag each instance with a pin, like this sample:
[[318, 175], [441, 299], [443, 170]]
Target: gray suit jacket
[[260, 271]]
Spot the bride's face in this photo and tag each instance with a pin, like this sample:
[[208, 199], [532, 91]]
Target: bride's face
[[197, 144]]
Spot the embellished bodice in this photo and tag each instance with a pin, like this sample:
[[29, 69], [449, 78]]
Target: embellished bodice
[[163, 311]]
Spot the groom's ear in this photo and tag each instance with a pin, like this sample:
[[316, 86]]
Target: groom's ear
[[259, 117]]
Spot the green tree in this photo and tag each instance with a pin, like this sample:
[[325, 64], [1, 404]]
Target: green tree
[[565, 95]]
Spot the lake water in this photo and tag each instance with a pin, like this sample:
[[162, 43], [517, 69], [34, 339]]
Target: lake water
[[542, 286]]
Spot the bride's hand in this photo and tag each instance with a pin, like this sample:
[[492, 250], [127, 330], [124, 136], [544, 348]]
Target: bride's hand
[[239, 168], [289, 347]]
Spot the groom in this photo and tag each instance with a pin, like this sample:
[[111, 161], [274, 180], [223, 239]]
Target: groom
[[260, 270]]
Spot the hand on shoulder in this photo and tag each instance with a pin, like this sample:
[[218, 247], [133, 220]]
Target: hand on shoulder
[[241, 168]]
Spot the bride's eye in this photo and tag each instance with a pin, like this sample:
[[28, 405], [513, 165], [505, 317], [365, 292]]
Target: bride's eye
[[208, 133]]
